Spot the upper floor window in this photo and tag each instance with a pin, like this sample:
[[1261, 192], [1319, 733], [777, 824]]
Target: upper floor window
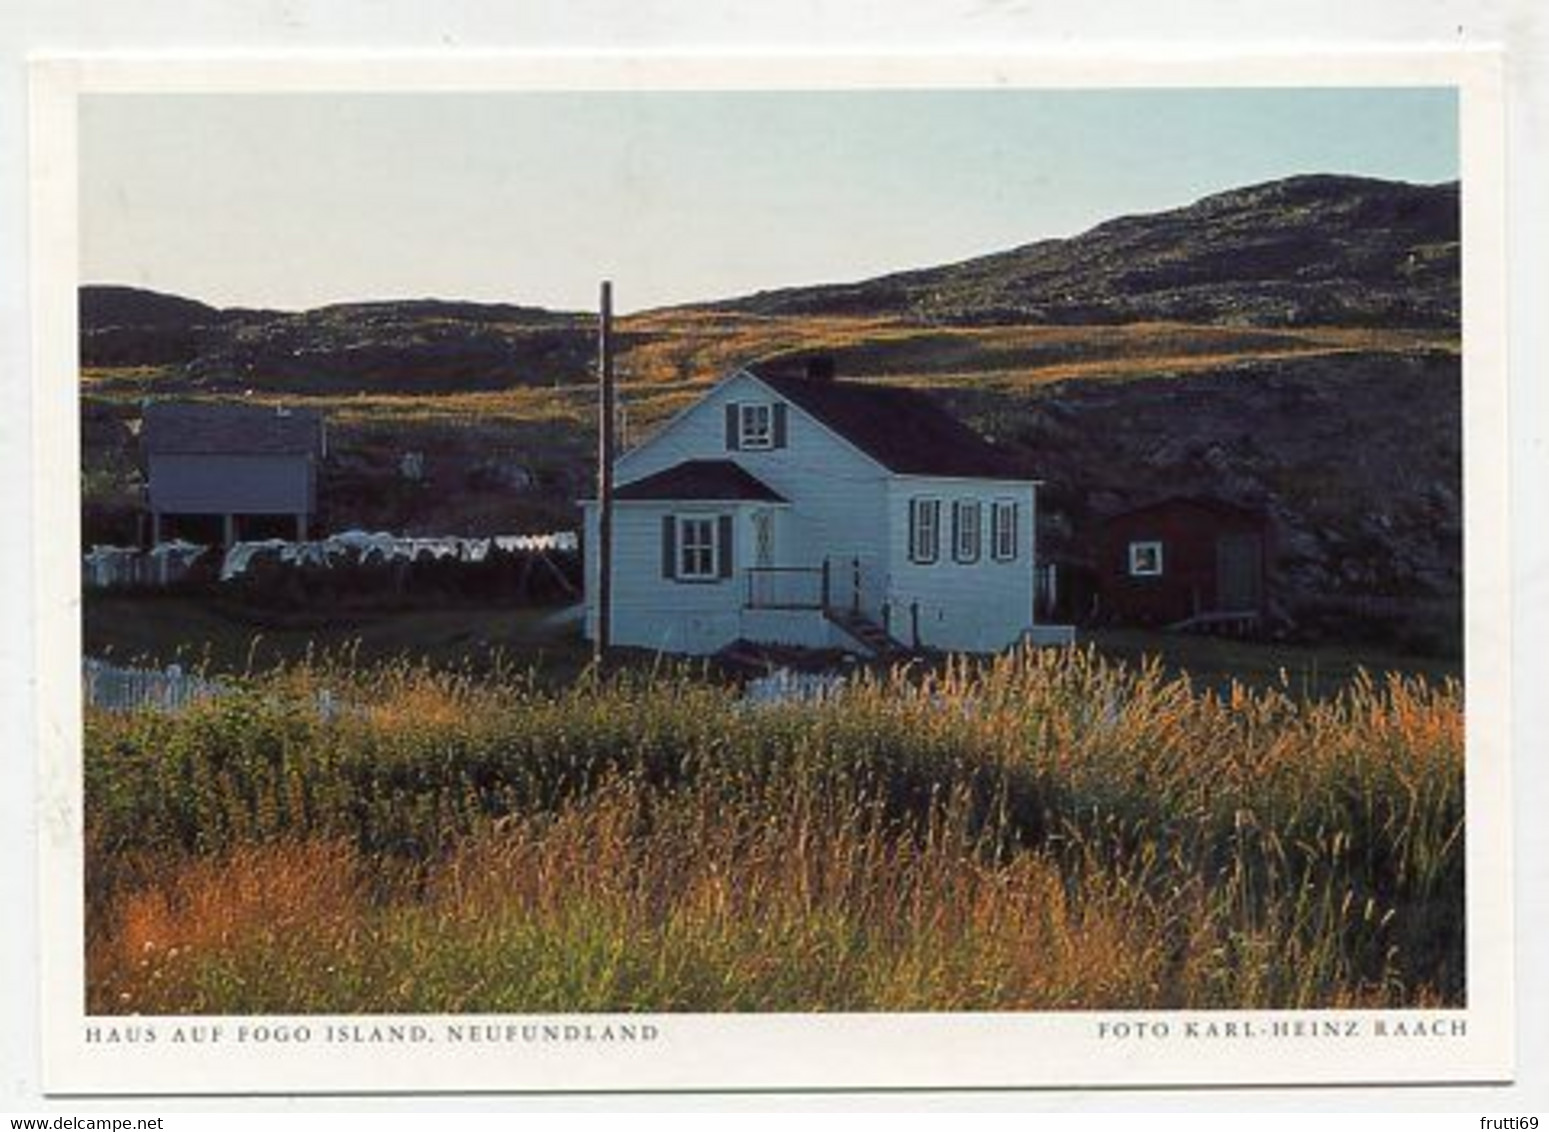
[[924, 530], [967, 535], [1003, 530], [757, 426], [1145, 559]]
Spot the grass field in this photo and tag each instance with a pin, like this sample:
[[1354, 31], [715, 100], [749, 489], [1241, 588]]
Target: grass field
[[1316, 671], [666, 360], [221, 637], [224, 638], [1047, 831]]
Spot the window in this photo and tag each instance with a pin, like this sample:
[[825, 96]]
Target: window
[[756, 427], [1003, 530], [697, 549], [1145, 559], [966, 530], [924, 530]]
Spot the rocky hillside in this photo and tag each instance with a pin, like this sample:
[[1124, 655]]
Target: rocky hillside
[[1331, 251], [1356, 458], [421, 346], [1304, 251]]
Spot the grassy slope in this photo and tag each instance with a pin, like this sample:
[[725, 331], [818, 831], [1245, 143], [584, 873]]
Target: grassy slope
[[1047, 831], [665, 362], [664, 357], [217, 636], [220, 638]]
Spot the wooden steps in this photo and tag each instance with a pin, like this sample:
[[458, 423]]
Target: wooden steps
[[866, 631], [1237, 621]]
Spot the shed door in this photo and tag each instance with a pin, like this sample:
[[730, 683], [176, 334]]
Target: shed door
[[1239, 573]]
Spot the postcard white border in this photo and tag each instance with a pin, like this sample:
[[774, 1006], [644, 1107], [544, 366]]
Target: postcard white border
[[778, 1051]]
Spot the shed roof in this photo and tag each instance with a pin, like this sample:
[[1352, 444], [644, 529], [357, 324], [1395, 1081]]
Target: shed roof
[[904, 430], [1207, 503], [720, 480], [196, 427]]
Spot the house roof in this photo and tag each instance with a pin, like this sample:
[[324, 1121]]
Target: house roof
[[904, 430], [720, 480], [193, 427]]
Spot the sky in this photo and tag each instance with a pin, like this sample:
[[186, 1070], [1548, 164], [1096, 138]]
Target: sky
[[295, 200]]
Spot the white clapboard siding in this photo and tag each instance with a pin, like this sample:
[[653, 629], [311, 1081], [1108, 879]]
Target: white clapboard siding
[[837, 492], [649, 610], [978, 606], [837, 511]]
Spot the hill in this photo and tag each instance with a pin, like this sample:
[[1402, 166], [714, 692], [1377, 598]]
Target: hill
[[409, 346], [1308, 251], [1311, 250]]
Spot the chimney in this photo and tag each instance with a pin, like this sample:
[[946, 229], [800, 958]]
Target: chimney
[[820, 367]]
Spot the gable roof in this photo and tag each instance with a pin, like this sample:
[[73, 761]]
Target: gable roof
[[202, 428], [720, 480], [1210, 504], [904, 430]]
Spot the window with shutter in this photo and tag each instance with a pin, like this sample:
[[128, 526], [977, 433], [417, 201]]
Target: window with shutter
[[696, 549], [1003, 530], [755, 427], [966, 533], [924, 530]]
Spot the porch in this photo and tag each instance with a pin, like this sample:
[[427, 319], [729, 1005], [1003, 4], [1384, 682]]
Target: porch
[[836, 599]]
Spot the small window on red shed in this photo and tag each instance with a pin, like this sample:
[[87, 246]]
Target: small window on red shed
[[1145, 559]]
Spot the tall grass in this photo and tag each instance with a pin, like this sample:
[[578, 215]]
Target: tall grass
[[1047, 830]]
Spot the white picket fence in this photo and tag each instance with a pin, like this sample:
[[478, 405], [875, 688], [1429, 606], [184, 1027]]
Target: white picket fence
[[784, 686], [110, 687]]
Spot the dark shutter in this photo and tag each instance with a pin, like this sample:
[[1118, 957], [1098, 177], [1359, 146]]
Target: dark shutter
[[957, 547], [733, 434], [1016, 546], [914, 530], [669, 547], [725, 542], [779, 424]]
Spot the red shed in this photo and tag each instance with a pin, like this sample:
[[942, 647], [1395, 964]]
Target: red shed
[[1183, 559]]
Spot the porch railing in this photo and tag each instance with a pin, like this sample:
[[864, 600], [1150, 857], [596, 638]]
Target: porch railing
[[789, 587], [835, 585]]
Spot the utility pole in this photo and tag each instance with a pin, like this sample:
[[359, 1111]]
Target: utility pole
[[605, 424]]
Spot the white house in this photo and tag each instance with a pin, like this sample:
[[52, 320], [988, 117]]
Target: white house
[[793, 508]]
